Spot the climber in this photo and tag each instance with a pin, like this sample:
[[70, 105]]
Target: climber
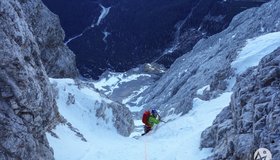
[[149, 119]]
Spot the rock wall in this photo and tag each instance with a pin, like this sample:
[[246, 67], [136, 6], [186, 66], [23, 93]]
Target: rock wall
[[209, 63], [121, 118], [30, 37], [58, 59], [252, 120]]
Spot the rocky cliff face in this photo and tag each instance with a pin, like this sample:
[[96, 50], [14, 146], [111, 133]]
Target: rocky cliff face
[[251, 121], [209, 63], [31, 46], [58, 59]]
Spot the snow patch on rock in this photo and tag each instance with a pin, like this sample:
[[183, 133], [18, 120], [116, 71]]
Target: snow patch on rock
[[255, 50]]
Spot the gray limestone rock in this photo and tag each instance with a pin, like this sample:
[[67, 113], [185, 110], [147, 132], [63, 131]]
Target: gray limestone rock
[[252, 116], [121, 116], [58, 59], [31, 43]]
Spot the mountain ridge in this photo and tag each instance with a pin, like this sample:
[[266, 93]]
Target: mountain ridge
[[209, 63]]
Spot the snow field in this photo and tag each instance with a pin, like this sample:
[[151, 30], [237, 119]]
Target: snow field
[[176, 140]]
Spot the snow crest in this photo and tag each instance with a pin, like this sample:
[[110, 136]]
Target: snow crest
[[255, 50]]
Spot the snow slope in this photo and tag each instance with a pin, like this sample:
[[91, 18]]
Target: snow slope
[[178, 139], [255, 50], [174, 140]]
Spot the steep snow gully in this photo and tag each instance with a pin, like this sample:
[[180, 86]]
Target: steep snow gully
[[97, 138]]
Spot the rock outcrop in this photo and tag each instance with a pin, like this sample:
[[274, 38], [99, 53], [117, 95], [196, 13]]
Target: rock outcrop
[[88, 102], [252, 120], [58, 59], [122, 117], [209, 63], [30, 37]]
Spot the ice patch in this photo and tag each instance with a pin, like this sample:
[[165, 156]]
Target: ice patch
[[201, 90]]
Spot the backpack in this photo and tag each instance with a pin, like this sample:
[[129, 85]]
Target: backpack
[[145, 117]]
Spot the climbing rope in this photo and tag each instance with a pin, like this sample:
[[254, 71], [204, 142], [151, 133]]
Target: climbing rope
[[145, 142]]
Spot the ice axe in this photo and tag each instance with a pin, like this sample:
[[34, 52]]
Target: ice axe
[[161, 119]]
